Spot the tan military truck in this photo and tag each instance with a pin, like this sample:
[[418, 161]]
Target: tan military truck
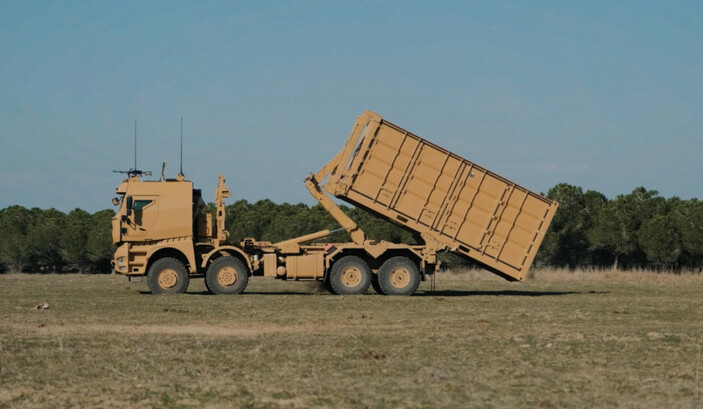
[[454, 205]]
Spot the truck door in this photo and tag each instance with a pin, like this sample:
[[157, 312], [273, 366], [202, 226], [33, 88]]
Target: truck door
[[145, 211]]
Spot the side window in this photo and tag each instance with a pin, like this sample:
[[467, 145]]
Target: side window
[[140, 204]]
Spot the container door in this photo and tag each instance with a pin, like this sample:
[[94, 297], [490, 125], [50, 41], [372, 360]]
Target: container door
[[517, 226]]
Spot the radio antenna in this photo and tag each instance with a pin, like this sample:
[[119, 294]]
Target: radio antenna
[[181, 145], [135, 144], [134, 171]]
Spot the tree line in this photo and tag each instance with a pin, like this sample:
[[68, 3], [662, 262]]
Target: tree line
[[36, 240], [636, 230]]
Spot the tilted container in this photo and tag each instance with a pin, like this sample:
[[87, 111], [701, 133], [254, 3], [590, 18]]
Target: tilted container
[[450, 201]]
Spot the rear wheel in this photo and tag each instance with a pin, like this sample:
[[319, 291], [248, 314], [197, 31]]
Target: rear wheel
[[398, 276], [167, 276], [226, 275], [350, 275]]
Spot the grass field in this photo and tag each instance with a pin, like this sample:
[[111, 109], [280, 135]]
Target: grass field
[[560, 339]]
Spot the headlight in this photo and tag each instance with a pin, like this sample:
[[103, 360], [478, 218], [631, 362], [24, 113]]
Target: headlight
[[120, 262]]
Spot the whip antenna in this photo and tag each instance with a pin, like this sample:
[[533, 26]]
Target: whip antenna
[[134, 171], [135, 144], [181, 146]]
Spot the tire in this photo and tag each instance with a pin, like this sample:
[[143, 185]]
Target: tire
[[226, 275], [375, 285], [398, 276], [350, 275], [167, 276]]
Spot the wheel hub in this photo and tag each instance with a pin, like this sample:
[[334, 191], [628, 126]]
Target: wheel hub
[[400, 278], [351, 277], [168, 278], [227, 276]]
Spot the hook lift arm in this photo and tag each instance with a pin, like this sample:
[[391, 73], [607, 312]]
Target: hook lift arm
[[357, 235], [220, 196]]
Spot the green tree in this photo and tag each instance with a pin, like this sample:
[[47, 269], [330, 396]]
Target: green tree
[[566, 243], [616, 225], [99, 247], [289, 221], [44, 239], [688, 216], [660, 240], [14, 226], [250, 220], [74, 239]]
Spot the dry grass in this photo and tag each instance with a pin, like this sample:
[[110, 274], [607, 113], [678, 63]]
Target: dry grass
[[560, 339], [551, 274]]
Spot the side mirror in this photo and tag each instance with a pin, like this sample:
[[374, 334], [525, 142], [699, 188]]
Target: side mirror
[[115, 201], [130, 202]]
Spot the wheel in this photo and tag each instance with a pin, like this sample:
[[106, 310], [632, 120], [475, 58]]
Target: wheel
[[167, 276], [398, 276], [226, 275], [375, 285], [350, 275]]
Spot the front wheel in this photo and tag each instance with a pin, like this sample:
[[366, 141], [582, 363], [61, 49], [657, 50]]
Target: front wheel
[[398, 276], [350, 275], [226, 275], [167, 276]]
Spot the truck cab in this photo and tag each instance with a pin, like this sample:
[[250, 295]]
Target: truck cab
[[155, 210], [161, 230]]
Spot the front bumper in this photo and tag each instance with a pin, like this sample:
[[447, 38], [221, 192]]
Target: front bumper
[[120, 260]]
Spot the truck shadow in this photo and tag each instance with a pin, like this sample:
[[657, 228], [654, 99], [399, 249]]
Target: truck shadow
[[509, 293], [440, 293], [146, 292]]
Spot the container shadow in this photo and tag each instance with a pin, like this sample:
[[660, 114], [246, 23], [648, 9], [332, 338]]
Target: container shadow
[[502, 293], [281, 293]]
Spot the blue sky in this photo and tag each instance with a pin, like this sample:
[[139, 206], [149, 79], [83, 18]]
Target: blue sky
[[604, 95]]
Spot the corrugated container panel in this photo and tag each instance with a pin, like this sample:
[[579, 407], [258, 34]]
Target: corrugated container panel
[[402, 177]]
